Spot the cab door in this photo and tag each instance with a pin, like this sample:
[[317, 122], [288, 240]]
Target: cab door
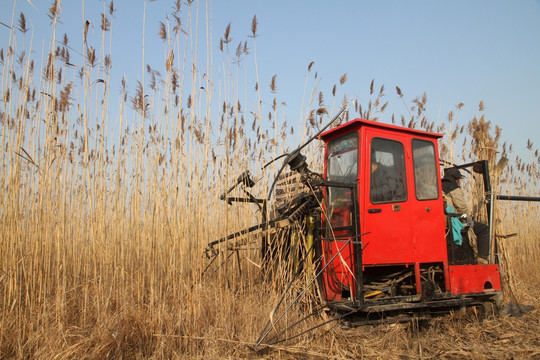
[[427, 203], [340, 218], [385, 209]]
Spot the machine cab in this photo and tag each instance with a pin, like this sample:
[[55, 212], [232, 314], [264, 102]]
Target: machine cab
[[390, 216]]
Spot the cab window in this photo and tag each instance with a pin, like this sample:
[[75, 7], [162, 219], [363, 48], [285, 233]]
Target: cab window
[[342, 159], [341, 167], [425, 170], [387, 171]]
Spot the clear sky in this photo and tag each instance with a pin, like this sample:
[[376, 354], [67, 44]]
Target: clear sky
[[455, 51]]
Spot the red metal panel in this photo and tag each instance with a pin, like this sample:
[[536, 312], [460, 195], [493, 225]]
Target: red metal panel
[[428, 218], [465, 279], [388, 225], [357, 123], [338, 275]]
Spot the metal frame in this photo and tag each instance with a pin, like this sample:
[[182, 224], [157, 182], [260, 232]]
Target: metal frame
[[357, 243]]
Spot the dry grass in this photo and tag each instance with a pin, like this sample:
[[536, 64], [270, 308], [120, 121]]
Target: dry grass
[[103, 221]]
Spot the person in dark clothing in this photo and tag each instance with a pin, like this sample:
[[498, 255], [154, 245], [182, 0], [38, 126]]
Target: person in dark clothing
[[455, 197], [384, 184]]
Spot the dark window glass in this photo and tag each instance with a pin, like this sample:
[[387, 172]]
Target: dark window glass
[[387, 180], [425, 170]]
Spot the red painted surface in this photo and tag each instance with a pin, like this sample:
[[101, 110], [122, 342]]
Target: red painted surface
[[357, 123], [390, 231], [409, 231], [465, 279], [338, 276]]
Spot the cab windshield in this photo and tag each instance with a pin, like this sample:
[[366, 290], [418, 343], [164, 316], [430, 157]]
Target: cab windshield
[[341, 167], [342, 159]]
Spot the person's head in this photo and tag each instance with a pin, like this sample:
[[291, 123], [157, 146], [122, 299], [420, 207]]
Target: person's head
[[453, 174]]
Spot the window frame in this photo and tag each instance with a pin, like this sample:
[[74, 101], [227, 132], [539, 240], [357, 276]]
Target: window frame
[[401, 180]]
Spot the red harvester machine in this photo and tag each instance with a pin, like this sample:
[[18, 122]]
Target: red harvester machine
[[378, 237]]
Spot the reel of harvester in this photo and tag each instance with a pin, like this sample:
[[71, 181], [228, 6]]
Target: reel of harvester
[[285, 235], [287, 217]]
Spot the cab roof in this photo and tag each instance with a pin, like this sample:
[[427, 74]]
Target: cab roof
[[358, 123]]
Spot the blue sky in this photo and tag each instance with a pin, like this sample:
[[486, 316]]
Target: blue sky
[[455, 51]]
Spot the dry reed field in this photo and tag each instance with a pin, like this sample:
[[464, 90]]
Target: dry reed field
[[104, 218]]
